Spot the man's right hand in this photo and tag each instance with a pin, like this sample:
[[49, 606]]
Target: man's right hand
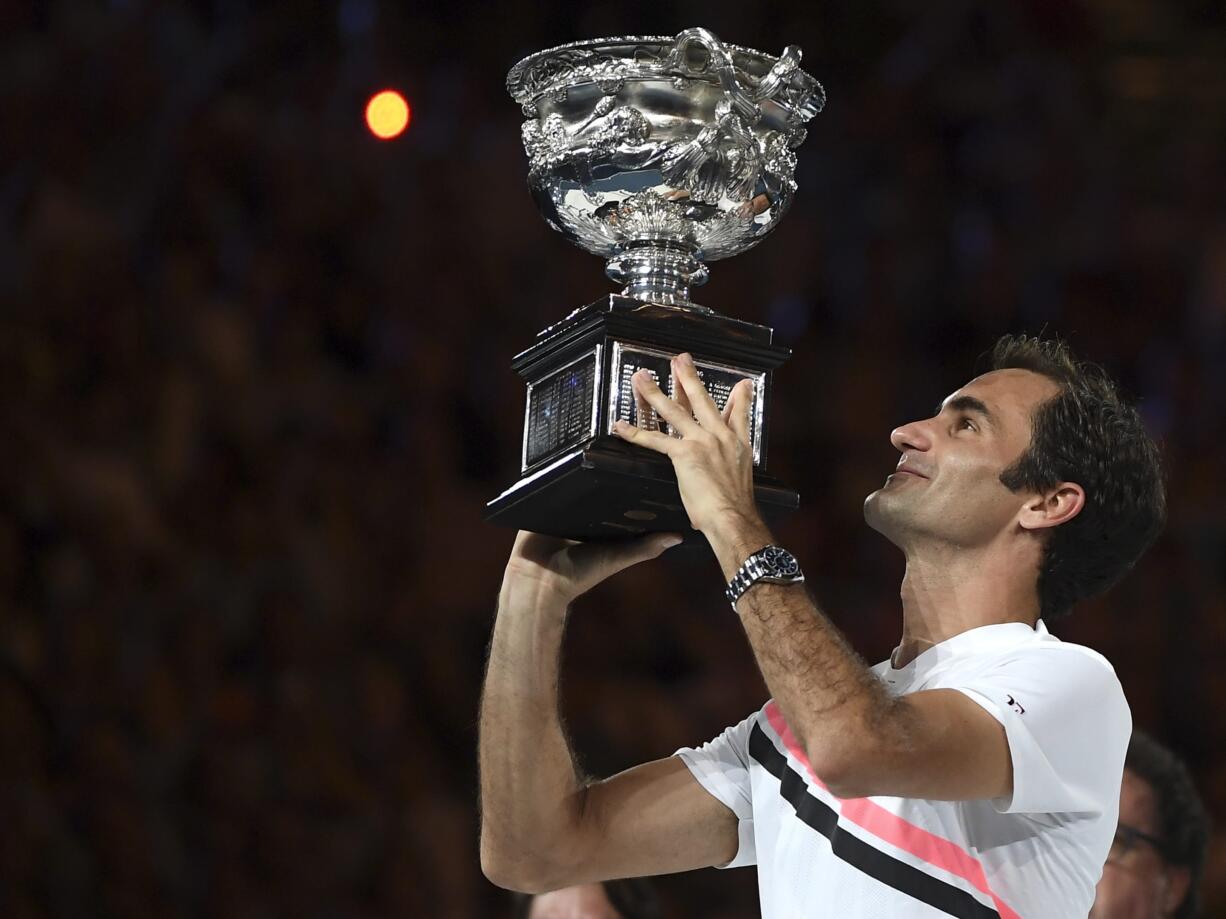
[[568, 569]]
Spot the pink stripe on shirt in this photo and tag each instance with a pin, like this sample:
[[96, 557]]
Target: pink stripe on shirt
[[891, 828]]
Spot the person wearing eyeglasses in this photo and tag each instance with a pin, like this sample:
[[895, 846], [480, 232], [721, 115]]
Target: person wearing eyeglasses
[[1156, 861]]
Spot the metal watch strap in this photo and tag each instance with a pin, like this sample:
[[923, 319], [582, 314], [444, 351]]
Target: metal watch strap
[[756, 568]]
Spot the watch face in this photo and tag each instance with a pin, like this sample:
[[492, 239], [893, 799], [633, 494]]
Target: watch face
[[780, 562]]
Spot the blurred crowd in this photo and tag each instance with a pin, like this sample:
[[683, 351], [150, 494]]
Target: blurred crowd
[[256, 385]]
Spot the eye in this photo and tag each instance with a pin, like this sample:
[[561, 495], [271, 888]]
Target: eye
[[966, 422]]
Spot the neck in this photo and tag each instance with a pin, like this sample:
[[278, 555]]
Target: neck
[[950, 591]]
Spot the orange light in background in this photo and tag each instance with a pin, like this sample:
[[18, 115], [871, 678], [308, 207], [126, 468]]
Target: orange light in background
[[387, 114]]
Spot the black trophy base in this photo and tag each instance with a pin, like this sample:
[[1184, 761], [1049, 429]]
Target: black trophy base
[[610, 490], [577, 479]]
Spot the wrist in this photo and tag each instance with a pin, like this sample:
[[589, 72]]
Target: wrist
[[771, 565], [541, 591], [735, 538]]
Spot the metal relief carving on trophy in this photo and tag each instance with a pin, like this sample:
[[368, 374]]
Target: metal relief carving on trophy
[[660, 155]]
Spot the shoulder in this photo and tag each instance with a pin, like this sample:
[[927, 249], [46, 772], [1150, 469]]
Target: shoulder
[[1050, 655], [1050, 644], [1075, 683]]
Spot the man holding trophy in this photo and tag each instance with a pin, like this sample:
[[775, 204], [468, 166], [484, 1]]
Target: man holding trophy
[[974, 773]]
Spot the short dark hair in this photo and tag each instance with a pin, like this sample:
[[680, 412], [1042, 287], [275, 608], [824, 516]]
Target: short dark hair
[[633, 898], [1086, 434], [1183, 822]]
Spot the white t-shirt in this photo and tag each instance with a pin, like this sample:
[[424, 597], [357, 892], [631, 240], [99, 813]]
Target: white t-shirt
[[1037, 853]]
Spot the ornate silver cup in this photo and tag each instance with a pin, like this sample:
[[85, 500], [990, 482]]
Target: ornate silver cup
[[663, 154], [659, 154]]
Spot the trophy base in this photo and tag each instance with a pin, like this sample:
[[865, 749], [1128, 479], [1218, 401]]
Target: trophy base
[[578, 480], [610, 490]]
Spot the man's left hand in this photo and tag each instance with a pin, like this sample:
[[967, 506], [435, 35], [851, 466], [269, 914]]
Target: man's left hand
[[713, 457]]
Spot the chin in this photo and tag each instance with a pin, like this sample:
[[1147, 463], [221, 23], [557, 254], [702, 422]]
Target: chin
[[876, 512], [889, 516]]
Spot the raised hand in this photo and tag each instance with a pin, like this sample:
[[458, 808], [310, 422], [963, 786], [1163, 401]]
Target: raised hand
[[713, 457]]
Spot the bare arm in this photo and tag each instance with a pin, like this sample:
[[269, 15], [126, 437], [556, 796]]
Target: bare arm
[[543, 825], [859, 739]]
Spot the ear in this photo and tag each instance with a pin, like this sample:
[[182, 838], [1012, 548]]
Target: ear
[[1055, 506], [1178, 879]]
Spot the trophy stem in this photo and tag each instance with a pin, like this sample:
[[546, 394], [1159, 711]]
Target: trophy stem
[[659, 271]]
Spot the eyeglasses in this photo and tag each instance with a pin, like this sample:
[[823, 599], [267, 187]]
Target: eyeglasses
[[1126, 840]]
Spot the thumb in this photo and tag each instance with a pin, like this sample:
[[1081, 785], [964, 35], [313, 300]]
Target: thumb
[[611, 558], [640, 549], [656, 543]]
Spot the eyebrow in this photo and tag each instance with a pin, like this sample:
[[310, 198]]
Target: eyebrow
[[968, 404]]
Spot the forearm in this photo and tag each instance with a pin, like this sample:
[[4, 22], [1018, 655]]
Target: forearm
[[531, 795], [837, 709]]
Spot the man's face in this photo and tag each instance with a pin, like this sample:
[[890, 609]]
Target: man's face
[[947, 485], [586, 901], [1137, 882]]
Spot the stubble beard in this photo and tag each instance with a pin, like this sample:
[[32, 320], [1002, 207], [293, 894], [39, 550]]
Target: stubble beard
[[890, 515]]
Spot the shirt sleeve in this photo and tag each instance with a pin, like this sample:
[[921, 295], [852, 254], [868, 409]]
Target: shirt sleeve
[[1067, 723], [721, 766]]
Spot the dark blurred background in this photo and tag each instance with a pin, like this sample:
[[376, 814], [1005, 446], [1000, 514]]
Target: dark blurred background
[[256, 381]]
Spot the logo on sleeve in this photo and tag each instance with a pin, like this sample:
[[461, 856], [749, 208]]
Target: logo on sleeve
[[1016, 706]]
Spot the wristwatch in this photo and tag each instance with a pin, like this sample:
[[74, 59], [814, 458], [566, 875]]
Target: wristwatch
[[773, 564]]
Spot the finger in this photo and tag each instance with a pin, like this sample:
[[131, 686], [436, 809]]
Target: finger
[[665, 407], [652, 440], [646, 415], [682, 400], [739, 410], [705, 409]]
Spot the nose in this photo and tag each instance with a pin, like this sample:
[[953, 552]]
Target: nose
[[911, 436]]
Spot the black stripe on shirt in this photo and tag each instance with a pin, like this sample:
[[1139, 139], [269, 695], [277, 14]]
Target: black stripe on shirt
[[856, 852]]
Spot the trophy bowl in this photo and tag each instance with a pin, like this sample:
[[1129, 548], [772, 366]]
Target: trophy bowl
[[661, 154]]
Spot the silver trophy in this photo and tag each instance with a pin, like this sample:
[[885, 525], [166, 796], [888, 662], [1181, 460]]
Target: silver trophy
[[659, 154]]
